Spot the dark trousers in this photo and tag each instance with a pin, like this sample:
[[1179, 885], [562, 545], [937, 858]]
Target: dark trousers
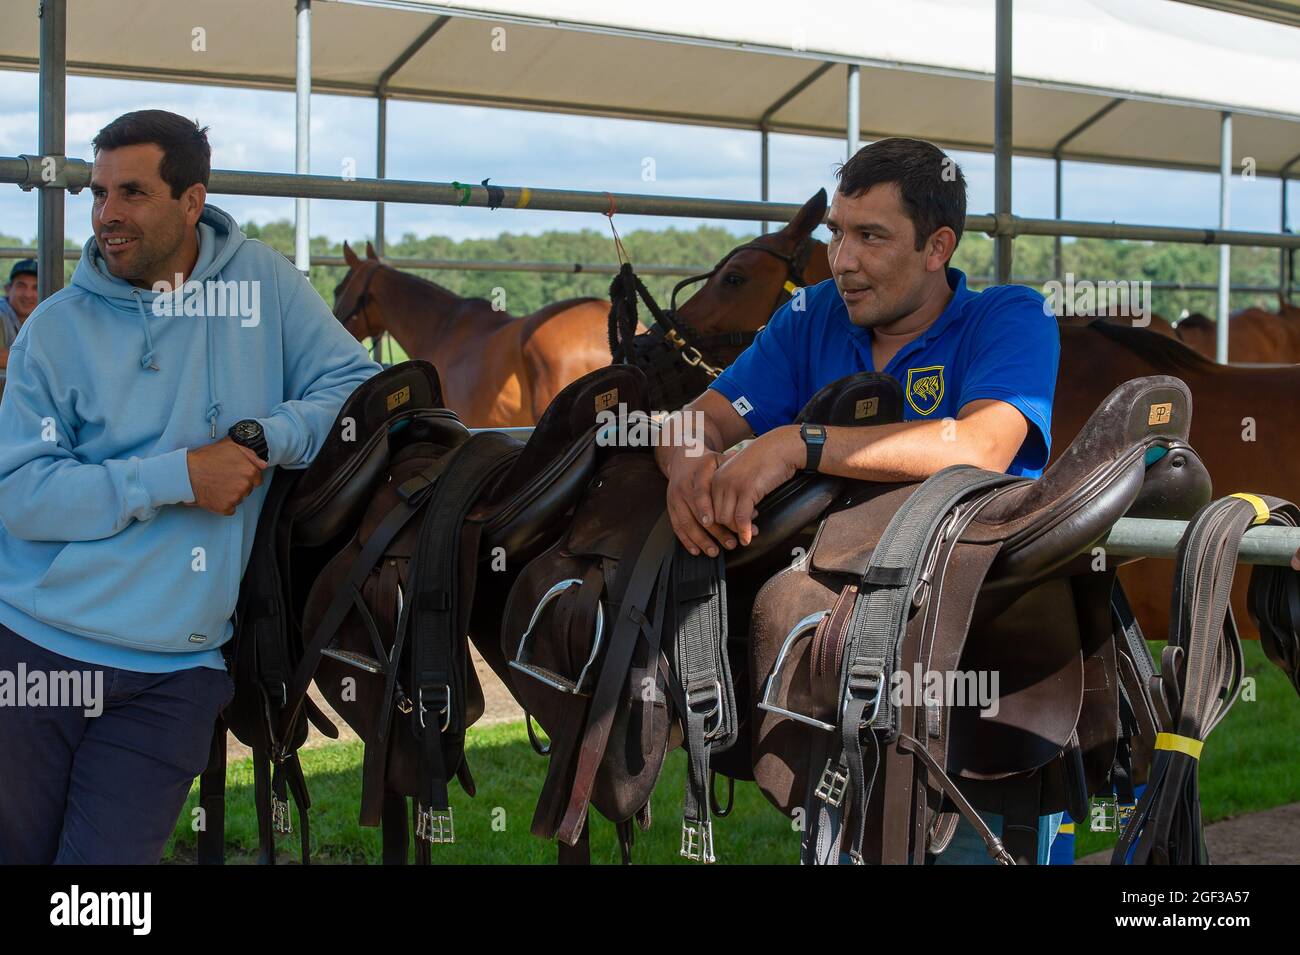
[[104, 788]]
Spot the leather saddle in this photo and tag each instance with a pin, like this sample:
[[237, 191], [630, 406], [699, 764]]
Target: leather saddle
[[874, 657], [618, 638], [365, 578]]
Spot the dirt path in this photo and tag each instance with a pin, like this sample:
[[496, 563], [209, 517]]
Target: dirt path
[[500, 708]]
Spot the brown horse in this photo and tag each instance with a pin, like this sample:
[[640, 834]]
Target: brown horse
[[1241, 427], [497, 370], [741, 293], [1255, 336]]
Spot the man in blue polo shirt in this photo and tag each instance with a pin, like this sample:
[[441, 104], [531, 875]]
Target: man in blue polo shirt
[[978, 370]]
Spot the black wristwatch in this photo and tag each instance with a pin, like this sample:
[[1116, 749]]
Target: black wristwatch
[[814, 437], [250, 434]]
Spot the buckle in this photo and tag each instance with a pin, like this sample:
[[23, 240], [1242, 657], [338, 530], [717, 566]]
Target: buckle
[[444, 709], [832, 786], [697, 840], [1103, 816], [712, 698], [280, 821], [435, 826], [866, 681]]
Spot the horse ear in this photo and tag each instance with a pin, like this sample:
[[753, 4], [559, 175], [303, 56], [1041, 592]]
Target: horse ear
[[809, 217], [370, 251], [349, 256]]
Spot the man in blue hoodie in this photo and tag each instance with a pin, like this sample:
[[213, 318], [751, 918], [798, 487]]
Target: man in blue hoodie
[[147, 407]]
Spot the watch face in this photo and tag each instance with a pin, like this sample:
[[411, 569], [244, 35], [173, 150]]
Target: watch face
[[248, 430]]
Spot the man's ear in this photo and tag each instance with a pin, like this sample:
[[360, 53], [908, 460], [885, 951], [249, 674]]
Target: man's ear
[[939, 248], [192, 201]]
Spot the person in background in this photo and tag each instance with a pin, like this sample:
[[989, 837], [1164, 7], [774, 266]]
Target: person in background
[[20, 298]]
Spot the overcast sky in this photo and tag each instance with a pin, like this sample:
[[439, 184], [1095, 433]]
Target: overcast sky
[[255, 130]]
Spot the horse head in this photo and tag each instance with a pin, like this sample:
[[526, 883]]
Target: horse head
[[745, 288], [352, 304]]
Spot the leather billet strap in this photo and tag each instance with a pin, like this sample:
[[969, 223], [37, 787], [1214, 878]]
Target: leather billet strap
[[649, 577], [702, 685], [1200, 678], [438, 614]]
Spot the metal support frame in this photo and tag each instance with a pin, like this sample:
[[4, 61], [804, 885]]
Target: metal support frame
[[1225, 251], [1286, 263], [764, 129], [51, 144], [1057, 158], [302, 139], [16, 170], [1002, 139], [381, 125], [853, 111]]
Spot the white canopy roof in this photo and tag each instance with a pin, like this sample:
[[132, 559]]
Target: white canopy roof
[[926, 65]]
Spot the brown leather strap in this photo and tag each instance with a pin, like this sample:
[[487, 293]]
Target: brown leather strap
[[654, 558]]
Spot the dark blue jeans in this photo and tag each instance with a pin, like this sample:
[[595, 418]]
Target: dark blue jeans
[[104, 788]]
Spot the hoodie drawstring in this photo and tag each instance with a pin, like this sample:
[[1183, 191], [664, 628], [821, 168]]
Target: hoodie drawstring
[[146, 359], [214, 406]]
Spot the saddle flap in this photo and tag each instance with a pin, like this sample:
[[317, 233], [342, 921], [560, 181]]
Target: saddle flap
[[849, 534], [555, 464]]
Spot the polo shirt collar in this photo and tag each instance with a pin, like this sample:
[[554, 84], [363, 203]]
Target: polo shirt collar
[[961, 295]]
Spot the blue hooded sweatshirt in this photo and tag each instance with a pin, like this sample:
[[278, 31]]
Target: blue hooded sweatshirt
[[108, 386]]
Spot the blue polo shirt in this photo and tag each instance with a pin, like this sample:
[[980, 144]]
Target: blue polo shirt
[[999, 343]]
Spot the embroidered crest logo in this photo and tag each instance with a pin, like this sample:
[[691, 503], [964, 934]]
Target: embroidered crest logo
[[925, 388]]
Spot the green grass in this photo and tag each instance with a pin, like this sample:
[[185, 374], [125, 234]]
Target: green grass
[[493, 826], [1251, 762]]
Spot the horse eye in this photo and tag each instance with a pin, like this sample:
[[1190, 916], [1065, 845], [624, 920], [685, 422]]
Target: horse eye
[[734, 279]]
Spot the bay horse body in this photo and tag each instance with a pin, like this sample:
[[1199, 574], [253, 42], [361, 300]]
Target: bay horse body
[[498, 370]]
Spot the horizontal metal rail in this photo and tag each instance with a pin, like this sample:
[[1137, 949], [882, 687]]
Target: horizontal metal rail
[[451, 265], [1144, 537], [74, 174], [610, 268]]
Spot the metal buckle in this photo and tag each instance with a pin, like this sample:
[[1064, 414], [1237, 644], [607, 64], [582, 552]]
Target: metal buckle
[[436, 826], [697, 840], [712, 698], [1124, 813], [1103, 815], [832, 786], [280, 820], [871, 678], [445, 709]]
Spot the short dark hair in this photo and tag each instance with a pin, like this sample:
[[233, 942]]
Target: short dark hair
[[187, 157], [931, 184]]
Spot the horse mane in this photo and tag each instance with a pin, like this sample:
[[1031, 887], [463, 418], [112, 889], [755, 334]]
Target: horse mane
[[1160, 350]]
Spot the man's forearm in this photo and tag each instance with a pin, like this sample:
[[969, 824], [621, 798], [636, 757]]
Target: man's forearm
[[905, 451]]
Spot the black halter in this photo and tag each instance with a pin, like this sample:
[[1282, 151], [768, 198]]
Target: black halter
[[684, 344]]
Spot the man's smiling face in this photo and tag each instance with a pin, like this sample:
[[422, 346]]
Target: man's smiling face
[[139, 228], [877, 268]]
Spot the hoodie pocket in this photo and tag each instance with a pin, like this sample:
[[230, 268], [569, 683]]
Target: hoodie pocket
[[168, 584]]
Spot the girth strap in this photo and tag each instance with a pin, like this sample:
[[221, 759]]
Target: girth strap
[[705, 695], [896, 581]]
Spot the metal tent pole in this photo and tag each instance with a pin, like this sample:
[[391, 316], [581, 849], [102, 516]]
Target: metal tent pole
[[1225, 251], [302, 158], [51, 145], [1002, 141]]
